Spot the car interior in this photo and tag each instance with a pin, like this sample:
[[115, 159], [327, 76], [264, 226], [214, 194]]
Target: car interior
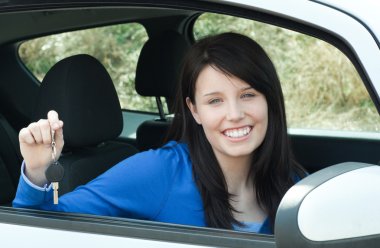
[[90, 107], [161, 56], [92, 114]]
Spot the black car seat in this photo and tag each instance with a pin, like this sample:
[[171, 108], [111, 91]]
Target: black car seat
[[80, 89], [10, 162], [157, 74]]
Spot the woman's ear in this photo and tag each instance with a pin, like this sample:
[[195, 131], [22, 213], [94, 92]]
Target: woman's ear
[[193, 110]]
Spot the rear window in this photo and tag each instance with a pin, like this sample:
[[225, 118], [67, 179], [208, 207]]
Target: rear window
[[117, 47]]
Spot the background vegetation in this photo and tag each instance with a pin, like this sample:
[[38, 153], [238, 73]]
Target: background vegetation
[[322, 88]]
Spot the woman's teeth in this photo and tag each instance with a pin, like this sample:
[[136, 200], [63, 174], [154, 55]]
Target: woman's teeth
[[238, 133]]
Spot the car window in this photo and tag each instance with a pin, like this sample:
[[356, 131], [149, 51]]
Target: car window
[[117, 47], [321, 87]]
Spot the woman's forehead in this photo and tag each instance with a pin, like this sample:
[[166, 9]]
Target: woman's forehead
[[212, 79]]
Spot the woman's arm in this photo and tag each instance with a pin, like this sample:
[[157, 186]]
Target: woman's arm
[[136, 187]]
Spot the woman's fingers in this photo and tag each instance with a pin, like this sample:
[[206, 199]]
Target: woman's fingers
[[40, 132], [26, 136], [59, 131], [45, 131], [54, 121], [35, 131]]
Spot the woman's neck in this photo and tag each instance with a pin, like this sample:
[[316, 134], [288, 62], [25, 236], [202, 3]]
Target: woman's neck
[[236, 173], [243, 199]]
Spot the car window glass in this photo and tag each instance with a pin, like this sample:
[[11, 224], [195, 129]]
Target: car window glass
[[322, 88], [117, 47]]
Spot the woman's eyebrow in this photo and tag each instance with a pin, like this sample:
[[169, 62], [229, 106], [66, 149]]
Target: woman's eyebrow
[[212, 93], [247, 88], [217, 92]]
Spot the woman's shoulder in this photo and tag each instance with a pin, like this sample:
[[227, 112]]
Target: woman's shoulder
[[176, 147], [171, 150], [172, 153]]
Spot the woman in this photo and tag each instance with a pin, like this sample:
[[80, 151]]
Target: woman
[[228, 163]]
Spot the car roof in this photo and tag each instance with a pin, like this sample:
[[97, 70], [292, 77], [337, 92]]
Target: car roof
[[365, 11]]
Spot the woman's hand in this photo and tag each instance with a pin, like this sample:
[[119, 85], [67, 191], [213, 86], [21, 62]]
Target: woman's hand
[[35, 145]]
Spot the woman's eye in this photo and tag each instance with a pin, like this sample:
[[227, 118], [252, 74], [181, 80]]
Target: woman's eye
[[247, 95], [214, 101]]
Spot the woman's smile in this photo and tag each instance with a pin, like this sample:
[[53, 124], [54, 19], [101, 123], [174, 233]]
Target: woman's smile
[[238, 134]]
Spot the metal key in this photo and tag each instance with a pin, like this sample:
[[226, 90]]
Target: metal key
[[54, 173]]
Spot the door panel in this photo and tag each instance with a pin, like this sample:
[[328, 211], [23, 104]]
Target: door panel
[[315, 152]]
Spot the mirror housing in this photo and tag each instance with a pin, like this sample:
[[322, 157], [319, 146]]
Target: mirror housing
[[338, 206]]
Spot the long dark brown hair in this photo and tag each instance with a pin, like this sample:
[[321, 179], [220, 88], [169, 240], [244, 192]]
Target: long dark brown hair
[[273, 169]]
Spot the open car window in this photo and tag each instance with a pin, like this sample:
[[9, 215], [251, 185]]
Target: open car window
[[322, 88]]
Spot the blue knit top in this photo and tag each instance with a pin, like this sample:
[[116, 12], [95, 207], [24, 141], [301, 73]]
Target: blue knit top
[[155, 185]]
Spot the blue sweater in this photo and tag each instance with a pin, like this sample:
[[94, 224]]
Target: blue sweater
[[154, 185]]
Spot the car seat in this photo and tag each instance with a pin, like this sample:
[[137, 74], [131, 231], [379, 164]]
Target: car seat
[[10, 162], [80, 89], [157, 74]]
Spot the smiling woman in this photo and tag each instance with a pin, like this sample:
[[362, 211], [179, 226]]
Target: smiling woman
[[230, 150], [230, 86], [234, 118]]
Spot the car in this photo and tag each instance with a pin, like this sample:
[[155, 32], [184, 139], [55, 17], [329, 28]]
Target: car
[[115, 63]]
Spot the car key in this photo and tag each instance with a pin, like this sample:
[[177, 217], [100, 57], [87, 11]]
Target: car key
[[54, 173]]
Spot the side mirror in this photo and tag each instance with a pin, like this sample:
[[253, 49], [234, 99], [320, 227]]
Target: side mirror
[[338, 206]]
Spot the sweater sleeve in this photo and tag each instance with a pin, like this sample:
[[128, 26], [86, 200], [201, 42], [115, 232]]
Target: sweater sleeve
[[137, 187]]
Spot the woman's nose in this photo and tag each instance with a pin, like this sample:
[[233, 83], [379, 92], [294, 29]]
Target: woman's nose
[[235, 112]]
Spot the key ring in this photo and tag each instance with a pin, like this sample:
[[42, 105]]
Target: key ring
[[54, 150]]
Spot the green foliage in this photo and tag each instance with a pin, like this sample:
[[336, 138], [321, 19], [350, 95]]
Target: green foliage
[[322, 88]]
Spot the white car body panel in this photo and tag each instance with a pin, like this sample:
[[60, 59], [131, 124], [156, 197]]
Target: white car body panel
[[25, 236]]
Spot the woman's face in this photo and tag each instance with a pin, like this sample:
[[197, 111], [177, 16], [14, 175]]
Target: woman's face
[[234, 116]]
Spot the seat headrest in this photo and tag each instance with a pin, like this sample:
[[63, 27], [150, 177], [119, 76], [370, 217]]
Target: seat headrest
[[80, 89], [159, 64]]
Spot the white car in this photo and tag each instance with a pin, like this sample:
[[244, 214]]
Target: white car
[[327, 54]]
